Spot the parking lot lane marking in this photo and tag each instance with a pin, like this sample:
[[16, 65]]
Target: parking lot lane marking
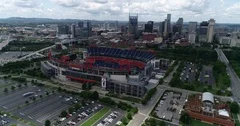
[[30, 117], [22, 114], [5, 107], [39, 121]]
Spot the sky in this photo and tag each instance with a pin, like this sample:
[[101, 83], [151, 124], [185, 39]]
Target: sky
[[223, 11]]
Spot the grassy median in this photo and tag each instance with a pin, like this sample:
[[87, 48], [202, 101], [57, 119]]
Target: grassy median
[[95, 117]]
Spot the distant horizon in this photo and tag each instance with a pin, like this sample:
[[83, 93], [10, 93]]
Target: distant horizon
[[223, 11], [108, 20]]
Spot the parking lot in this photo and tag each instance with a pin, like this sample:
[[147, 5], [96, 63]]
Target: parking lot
[[170, 106], [206, 75], [189, 73], [46, 108], [13, 99], [110, 119]]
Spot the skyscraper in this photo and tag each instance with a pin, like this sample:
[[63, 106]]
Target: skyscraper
[[203, 29], [210, 30], [63, 29], [133, 25], [165, 33], [87, 28], [149, 27], [168, 23], [192, 27], [73, 31], [161, 28], [180, 25]]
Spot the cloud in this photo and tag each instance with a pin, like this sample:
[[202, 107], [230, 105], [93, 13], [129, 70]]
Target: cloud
[[67, 3], [26, 3], [233, 10]]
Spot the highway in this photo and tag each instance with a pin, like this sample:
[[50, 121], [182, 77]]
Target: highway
[[235, 81]]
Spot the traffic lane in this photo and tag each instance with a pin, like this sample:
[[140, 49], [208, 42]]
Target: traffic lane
[[137, 120]]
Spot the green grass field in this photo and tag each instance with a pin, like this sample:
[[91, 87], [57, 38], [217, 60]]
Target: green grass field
[[236, 119], [95, 117], [198, 123]]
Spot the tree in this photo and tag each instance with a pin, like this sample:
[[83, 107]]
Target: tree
[[40, 96], [84, 86], [33, 98], [95, 95], [129, 116], [26, 102], [70, 109], [124, 121], [234, 107], [19, 85], [185, 118], [47, 123], [63, 114], [25, 84], [5, 90], [153, 122], [162, 123], [83, 103], [13, 88], [77, 106], [47, 93], [59, 89]]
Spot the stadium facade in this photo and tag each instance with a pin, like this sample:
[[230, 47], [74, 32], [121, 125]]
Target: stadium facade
[[121, 71]]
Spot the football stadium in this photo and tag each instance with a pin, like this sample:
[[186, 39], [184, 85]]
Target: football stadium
[[122, 71]]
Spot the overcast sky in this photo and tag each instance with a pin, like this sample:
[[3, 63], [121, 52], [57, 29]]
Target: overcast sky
[[223, 11]]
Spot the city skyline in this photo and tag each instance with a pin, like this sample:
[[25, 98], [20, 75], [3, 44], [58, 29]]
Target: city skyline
[[222, 11]]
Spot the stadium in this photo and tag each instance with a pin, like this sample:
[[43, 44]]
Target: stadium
[[123, 71]]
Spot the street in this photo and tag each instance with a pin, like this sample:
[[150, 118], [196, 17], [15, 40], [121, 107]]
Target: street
[[235, 81]]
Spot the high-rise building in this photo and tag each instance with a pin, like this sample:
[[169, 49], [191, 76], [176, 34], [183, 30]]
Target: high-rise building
[[116, 25], [87, 28], [203, 29], [192, 27], [168, 23], [165, 33], [210, 31], [149, 27], [133, 25], [106, 26], [63, 29], [180, 25], [161, 28], [73, 31], [80, 24]]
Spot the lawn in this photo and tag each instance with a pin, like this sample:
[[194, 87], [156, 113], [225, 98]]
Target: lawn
[[236, 119], [95, 117], [198, 123]]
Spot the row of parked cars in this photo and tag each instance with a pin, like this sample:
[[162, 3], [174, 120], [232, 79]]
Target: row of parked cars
[[109, 119], [3, 120], [82, 114]]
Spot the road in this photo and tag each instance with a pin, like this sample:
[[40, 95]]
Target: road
[[145, 110], [235, 81]]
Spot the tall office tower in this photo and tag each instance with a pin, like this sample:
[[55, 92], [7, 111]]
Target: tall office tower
[[149, 27], [80, 24], [168, 23], [63, 29], [210, 30], [106, 26], [116, 25], [161, 28], [180, 25], [73, 31], [192, 27], [203, 29], [133, 25], [165, 33], [87, 28]]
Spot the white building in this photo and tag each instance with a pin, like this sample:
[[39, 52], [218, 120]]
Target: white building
[[232, 41], [192, 38], [210, 31]]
